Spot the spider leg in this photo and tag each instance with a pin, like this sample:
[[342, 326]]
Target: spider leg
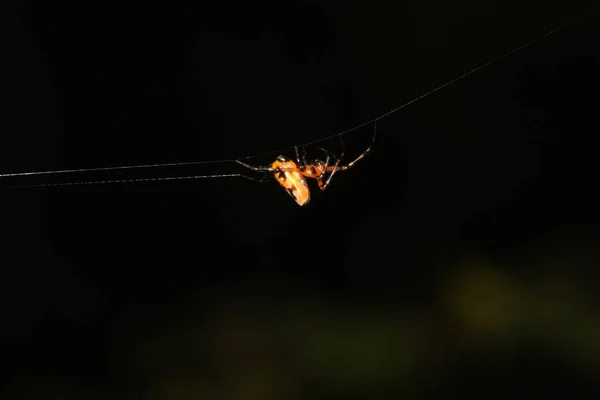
[[265, 178], [326, 162], [327, 154], [336, 167], [364, 153], [301, 159], [332, 170], [327, 159], [259, 169]]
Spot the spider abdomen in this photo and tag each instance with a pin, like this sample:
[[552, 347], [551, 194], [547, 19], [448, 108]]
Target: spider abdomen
[[290, 177]]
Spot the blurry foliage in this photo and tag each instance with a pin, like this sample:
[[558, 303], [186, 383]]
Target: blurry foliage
[[250, 345], [481, 320]]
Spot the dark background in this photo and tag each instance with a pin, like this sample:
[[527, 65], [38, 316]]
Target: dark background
[[459, 258]]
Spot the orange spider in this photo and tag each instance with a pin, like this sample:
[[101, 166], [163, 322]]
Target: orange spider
[[291, 175]]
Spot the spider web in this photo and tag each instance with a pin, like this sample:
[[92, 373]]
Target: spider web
[[223, 161]]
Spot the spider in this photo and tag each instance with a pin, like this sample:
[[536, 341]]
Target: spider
[[291, 175]]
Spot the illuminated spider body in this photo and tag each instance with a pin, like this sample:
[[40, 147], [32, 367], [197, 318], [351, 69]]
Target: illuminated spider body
[[291, 178], [292, 175]]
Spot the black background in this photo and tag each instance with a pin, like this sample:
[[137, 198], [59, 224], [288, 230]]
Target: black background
[[459, 257]]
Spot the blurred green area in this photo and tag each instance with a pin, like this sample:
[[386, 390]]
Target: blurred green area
[[481, 313], [482, 321]]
